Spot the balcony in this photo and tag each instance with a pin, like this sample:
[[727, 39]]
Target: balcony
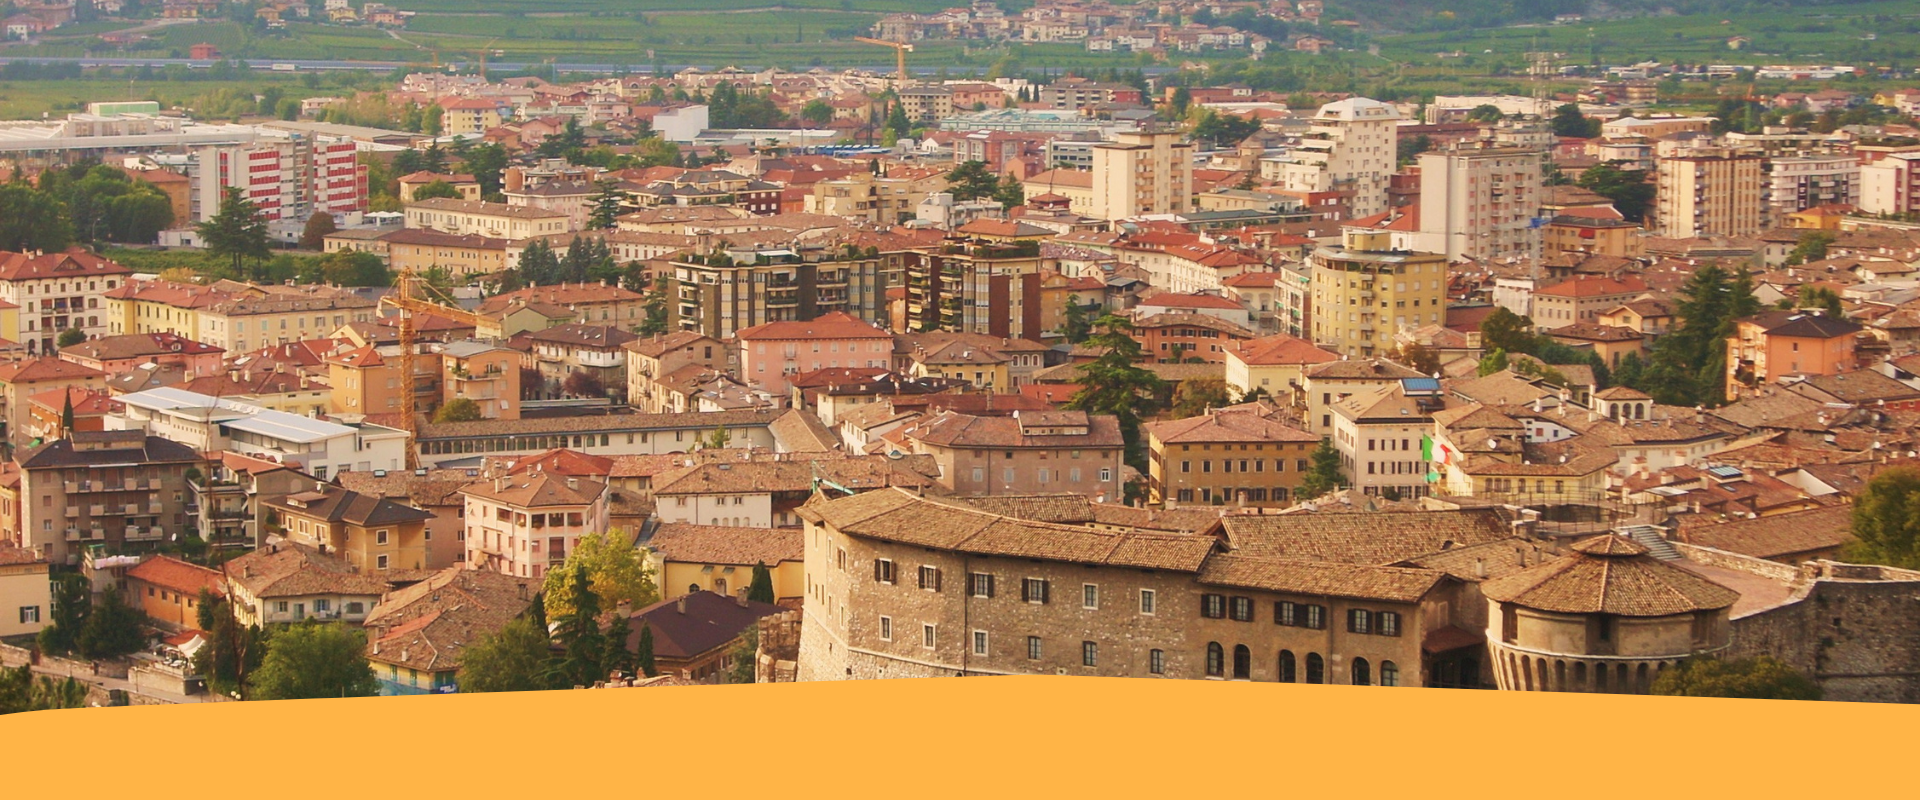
[[73, 511], [136, 533], [97, 509], [73, 535], [130, 509]]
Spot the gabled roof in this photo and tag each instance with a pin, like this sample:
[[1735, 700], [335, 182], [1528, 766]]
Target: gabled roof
[[1279, 349], [695, 624], [832, 325], [340, 505], [179, 576], [716, 544], [1609, 574]]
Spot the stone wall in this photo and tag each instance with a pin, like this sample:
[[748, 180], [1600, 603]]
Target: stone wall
[[777, 660], [11, 656], [1860, 639]]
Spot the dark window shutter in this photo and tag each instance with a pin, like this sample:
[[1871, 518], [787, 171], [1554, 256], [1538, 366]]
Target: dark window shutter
[[989, 578], [1046, 592], [936, 579], [1026, 593], [876, 570]]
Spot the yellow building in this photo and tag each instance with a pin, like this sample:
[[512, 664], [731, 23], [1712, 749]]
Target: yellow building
[[372, 534], [1710, 192], [1481, 451], [1366, 292], [690, 558], [1273, 365], [26, 593], [461, 256]]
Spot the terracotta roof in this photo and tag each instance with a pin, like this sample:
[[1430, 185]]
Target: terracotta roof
[[537, 490], [899, 516], [138, 345], [1227, 427], [340, 505], [430, 624], [289, 570], [45, 368], [1379, 538], [1280, 349], [1589, 286], [951, 429], [857, 473], [1777, 536], [1171, 300], [709, 622], [1366, 368], [74, 263], [1400, 584], [832, 325], [179, 576], [1609, 574], [716, 544]]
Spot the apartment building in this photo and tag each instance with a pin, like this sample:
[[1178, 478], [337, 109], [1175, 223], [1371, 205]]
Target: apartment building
[[1710, 192], [562, 351], [372, 534], [57, 292], [124, 489], [588, 303], [1378, 432], [114, 354], [461, 255], [976, 287], [1350, 146], [288, 175], [769, 353], [719, 296], [286, 583], [21, 380], [1891, 184], [1479, 202], [492, 220], [1232, 456], [1041, 451], [1582, 299], [487, 374], [526, 524], [1364, 293], [1802, 182], [1146, 171]]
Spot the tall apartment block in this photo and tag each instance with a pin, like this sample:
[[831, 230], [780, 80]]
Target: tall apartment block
[[1710, 192], [1364, 292], [1148, 171], [1350, 146], [1479, 201]]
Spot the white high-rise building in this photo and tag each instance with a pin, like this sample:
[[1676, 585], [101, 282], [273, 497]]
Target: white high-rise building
[[1351, 146], [1148, 171], [289, 176], [1798, 183], [1479, 201]]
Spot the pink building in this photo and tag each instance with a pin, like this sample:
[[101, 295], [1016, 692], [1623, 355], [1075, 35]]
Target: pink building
[[772, 352], [117, 354]]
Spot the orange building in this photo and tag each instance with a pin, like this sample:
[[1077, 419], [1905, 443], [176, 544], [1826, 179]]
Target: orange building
[[1176, 336], [1769, 346], [168, 590]]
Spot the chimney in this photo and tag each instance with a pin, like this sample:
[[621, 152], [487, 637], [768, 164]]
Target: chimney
[[682, 605], [741, 599]]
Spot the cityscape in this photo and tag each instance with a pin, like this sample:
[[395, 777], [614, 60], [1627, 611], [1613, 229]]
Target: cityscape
[[378, 376]]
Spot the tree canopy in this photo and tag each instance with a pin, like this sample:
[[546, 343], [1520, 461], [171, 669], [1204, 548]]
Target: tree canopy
[[315, 661], [615, 570], [1115, 384], [515, 658], [1886, 520], [238, 231], [1758, 678]]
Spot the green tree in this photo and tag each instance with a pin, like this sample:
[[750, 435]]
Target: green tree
[[1570, 123], [113, 629], [817, 112], [1505, 330], [314, 661], [744, 655], [66, 415], [1688, 365], [32, 220], [21, 692], [1886, 520], [1629, 190], [617, 657], [1494, 361], [436, 189], [655, 151], [71, 337], [1486, 113], [459, 409], [1323, 472], [1195, 397], [232, 652], [761, 589], [717, 440], [1223, 130], [1822, 298], [516, 658], [1011, 192], [237, 232], [72, 604], [1758, 678], [487, 163], [579, 635], [606, 206], [1811, 247], [1417, 356], [972, 181], [314, 235], [643, 652], [1078, 325], [897, 123], [354, 268], [616, 571], [1115, 384], [1182, 100]]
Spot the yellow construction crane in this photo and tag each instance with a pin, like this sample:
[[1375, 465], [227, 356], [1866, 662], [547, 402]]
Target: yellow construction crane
[[407, 300], [900, 51]]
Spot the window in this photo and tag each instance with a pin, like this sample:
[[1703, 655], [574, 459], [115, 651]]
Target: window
[[356, 607], [1243, 609], [1359, 620], [1213, 606], [1106, 474], [1285, 613], [1147, 598], [1216, 660], [322, 604], [930, 578], [979, 643], [1316, 617], [1089, 596], [926, 636], [1605, 626], [886, 629], [1033, 648], [379, 537], [1359, 671], [1286, 674], [280, 606], [29, 614], [1157, 662], [883, 570], [1089, 654], [380, 562], [1316, 668], [1242, 663], [1034, 590], [980, 584], [1389, 674], [1386, 623]]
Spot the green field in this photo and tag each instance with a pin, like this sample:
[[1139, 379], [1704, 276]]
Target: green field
[[30, 99]]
